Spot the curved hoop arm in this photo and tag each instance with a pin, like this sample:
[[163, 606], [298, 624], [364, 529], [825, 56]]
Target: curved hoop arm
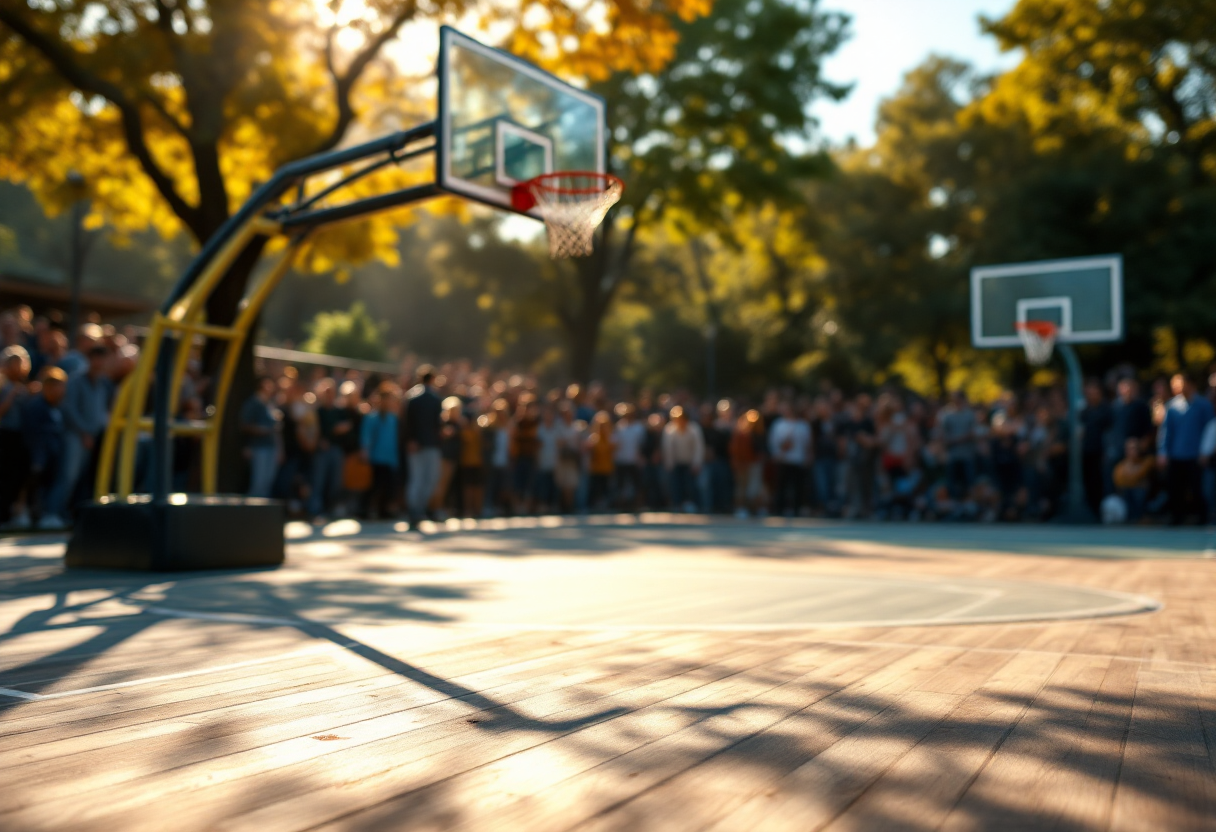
[[182, 318]]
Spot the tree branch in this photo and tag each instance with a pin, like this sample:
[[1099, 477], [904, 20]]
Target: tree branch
[[344, 82], [78, 76]]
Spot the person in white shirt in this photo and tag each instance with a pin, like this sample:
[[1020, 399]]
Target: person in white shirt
[[789, 444], [683, 455], [627, 438], [549, 435]]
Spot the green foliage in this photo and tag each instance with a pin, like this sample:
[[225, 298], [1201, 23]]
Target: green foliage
[[727, 121], [9, 247], [349, 334]]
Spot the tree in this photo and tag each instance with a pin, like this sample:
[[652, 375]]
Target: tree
[[1136, 83], [349, 334], [724, 124], [174, 109]]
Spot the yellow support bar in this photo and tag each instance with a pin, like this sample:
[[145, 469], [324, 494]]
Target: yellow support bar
[[250, 309], [196, 296], [116, 462], [223, 333], [140, 382], [109, 443]]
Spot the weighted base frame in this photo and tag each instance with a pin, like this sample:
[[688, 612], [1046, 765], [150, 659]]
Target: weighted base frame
[[198, 533]]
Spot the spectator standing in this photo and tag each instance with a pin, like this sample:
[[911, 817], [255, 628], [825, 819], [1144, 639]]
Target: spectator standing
[[525, 452], [717, 428], [260, 421], [14, 456], [747, 462], [423, 413], [600, 452], [956, 429], [1186, 417], [1006, 433], [653, 479], [569, 456], [549, 439], [857, 430], [42, 428], [789, 442], [683, 456], [328, 461], [472, 466], [1131, 418], [353, 494], [498, 444], [76, 360], [1096, 422], [51, 346], [378, 440], [449, 450], [1132, 477], [86, 412], [628, 439], [825, 457], [1207, 459]]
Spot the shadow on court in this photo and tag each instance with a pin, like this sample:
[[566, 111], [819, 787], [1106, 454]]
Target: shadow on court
[[346, 598], [893, 736]]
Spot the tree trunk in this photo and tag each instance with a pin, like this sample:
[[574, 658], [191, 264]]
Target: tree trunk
[[941, 368], [583, 342], [222, 308]]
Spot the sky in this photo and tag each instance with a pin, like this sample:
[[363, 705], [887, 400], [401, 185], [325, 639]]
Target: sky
[[891, 37]]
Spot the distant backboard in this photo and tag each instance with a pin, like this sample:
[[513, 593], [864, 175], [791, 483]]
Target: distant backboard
[[503, 121], [1082, 296]]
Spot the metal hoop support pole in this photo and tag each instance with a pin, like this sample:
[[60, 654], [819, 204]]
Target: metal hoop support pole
[[1077, 510]]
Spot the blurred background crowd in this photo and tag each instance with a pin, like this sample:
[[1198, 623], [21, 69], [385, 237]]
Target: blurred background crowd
[[460, 440]]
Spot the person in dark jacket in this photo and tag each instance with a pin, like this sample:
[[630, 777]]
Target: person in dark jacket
[[1096, 421], [14, 456], [42, 426], [421, 429]]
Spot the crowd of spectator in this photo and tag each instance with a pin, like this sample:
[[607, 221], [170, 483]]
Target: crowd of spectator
[[462, 441], [457, 441], [55, 400]]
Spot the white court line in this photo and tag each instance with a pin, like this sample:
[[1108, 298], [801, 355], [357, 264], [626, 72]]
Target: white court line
[[1008, 651], [38, 697], [985, 597], [1131, 605]]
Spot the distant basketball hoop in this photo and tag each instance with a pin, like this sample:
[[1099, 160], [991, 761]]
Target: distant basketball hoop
[[1038, 339], [572, 204]]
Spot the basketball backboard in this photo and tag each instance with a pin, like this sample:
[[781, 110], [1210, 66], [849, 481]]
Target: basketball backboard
[[503, 121], [1082, 296]]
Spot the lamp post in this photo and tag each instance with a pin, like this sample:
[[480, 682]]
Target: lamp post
[[77, 253]]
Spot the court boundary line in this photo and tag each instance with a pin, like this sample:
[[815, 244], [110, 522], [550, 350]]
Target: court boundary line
[[40, 697], [1129, 605]]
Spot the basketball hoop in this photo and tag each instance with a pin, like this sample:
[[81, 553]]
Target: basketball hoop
[[572, 204], [1039, 339]]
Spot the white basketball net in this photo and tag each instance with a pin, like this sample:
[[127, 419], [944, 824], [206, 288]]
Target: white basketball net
[[573, 205], [1039, 340]]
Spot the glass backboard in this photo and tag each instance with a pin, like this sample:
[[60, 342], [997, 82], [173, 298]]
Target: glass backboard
[[1082, 296], [503, 121]]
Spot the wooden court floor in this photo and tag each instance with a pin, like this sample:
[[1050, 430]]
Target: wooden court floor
[[119, 714]]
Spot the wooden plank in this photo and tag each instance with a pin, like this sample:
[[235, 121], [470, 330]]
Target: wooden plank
[[816, 792], [1167, 780], [223, 683], [372, 747], [1083, 787], [684, 780], [251, 724], [927, 781], [674, 732]]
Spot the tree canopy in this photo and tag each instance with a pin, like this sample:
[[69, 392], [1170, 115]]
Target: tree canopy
[[174, 109]]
